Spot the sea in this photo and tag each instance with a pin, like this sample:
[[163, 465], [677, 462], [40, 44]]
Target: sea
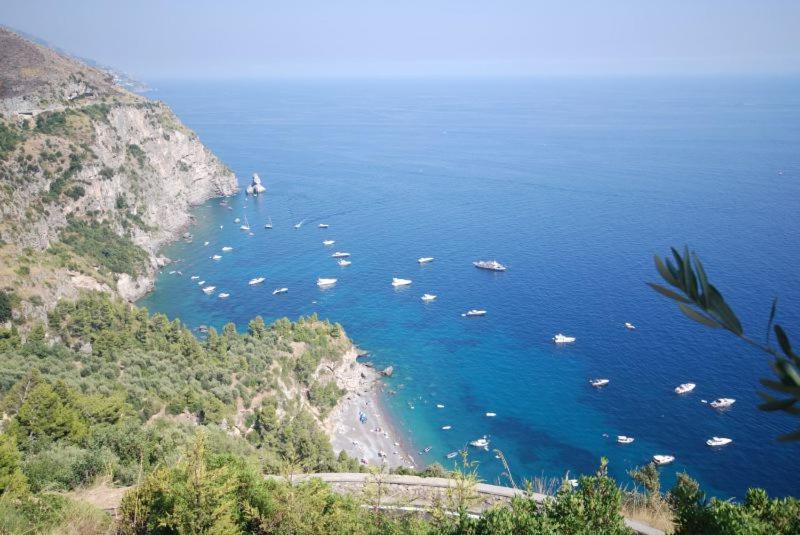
[[574, 184]]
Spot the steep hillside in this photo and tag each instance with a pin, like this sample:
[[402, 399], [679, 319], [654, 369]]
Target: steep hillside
[[93, 179]]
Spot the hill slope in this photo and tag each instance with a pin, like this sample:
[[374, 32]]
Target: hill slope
[[93, 179]]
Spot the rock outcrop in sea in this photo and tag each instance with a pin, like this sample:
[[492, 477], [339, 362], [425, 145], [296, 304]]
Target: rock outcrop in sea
[[94, 179]]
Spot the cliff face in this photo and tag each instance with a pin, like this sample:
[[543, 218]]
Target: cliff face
[[93, 179]]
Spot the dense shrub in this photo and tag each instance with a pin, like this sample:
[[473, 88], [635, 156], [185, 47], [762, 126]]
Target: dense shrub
[[5, 306], [100, 243]]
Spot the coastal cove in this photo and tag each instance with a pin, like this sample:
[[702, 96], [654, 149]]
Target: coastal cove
[[574, 185]]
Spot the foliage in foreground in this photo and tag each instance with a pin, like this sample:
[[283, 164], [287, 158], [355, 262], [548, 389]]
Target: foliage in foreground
[[701, 301]]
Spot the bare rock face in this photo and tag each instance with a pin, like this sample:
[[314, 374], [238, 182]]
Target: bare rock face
[[84, 149]]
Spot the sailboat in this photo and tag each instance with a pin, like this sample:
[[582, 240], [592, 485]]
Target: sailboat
[[268, 226], [300, 224], [246, 225]]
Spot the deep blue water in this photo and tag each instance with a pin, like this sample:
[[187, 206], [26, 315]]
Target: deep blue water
[[574, 184]]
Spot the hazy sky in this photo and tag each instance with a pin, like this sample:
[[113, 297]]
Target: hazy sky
[[204, 38]]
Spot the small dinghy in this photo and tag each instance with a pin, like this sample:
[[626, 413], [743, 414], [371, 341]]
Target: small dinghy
[[599, 383], [663, 459], [323, 225], [277, 291], [630, 326], [622, 439], [425, 259], [439, 406], [226, 249], [447, 427], [491, 414], [328, 242], [216, 257], [195, 277], [344, 263], [428, 297], [452, 454], [224, 295]]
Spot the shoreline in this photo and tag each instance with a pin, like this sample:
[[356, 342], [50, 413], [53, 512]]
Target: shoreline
[[374, 442]]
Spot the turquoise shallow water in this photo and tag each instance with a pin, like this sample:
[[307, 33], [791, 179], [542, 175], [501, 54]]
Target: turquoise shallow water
[[574, 184]]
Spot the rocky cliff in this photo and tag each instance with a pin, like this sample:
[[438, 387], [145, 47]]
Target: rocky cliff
[[93, 179]]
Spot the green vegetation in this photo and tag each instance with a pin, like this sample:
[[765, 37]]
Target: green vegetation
[[9, 137], [98, 242], [52, 123], [701, 301], [5, 306], [137, 153]]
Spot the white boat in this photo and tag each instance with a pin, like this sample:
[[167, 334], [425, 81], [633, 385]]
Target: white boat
[[326, 243], [452, 454], [622, 439], [224, 295], [425, 259], [482, 442], [195, 277], [344, 263], [491, 265], [340, 254], [718, 441], [474, 312], [237, 220], [573, 483], [428, 297], [663, 459], [563, 339], [200, 283], [323, 225], [216, 257], [208, 290], [684, 388], [630, 326], [257, 280], [400, 282], [447, 427], [326, 282], [268, 225], [491, 414], [722, 403], [227, 248], [205, 243], [439, 406], [598, 383], [300, 224], [277, 291]]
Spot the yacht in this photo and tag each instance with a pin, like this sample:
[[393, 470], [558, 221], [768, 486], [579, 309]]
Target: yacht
[[428, 297], [474, 312], [425, 259], [224, 295], [630, 326], [326, 282], [447, 427], [598, 383], [722, 403], [340, 254], [268, 225], [563, 339], [344, 263], [216, 257], [200, 283], [277, 291], [452, 454], [328, 242], [491, 414], [482, 442], [439, 406], [256, 280], [663, 459], [718, 441], [194, 277], [684, 388], [491, 265], [400, 282], [208, 290], [323, 225], [622, 439], [227, 248]]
